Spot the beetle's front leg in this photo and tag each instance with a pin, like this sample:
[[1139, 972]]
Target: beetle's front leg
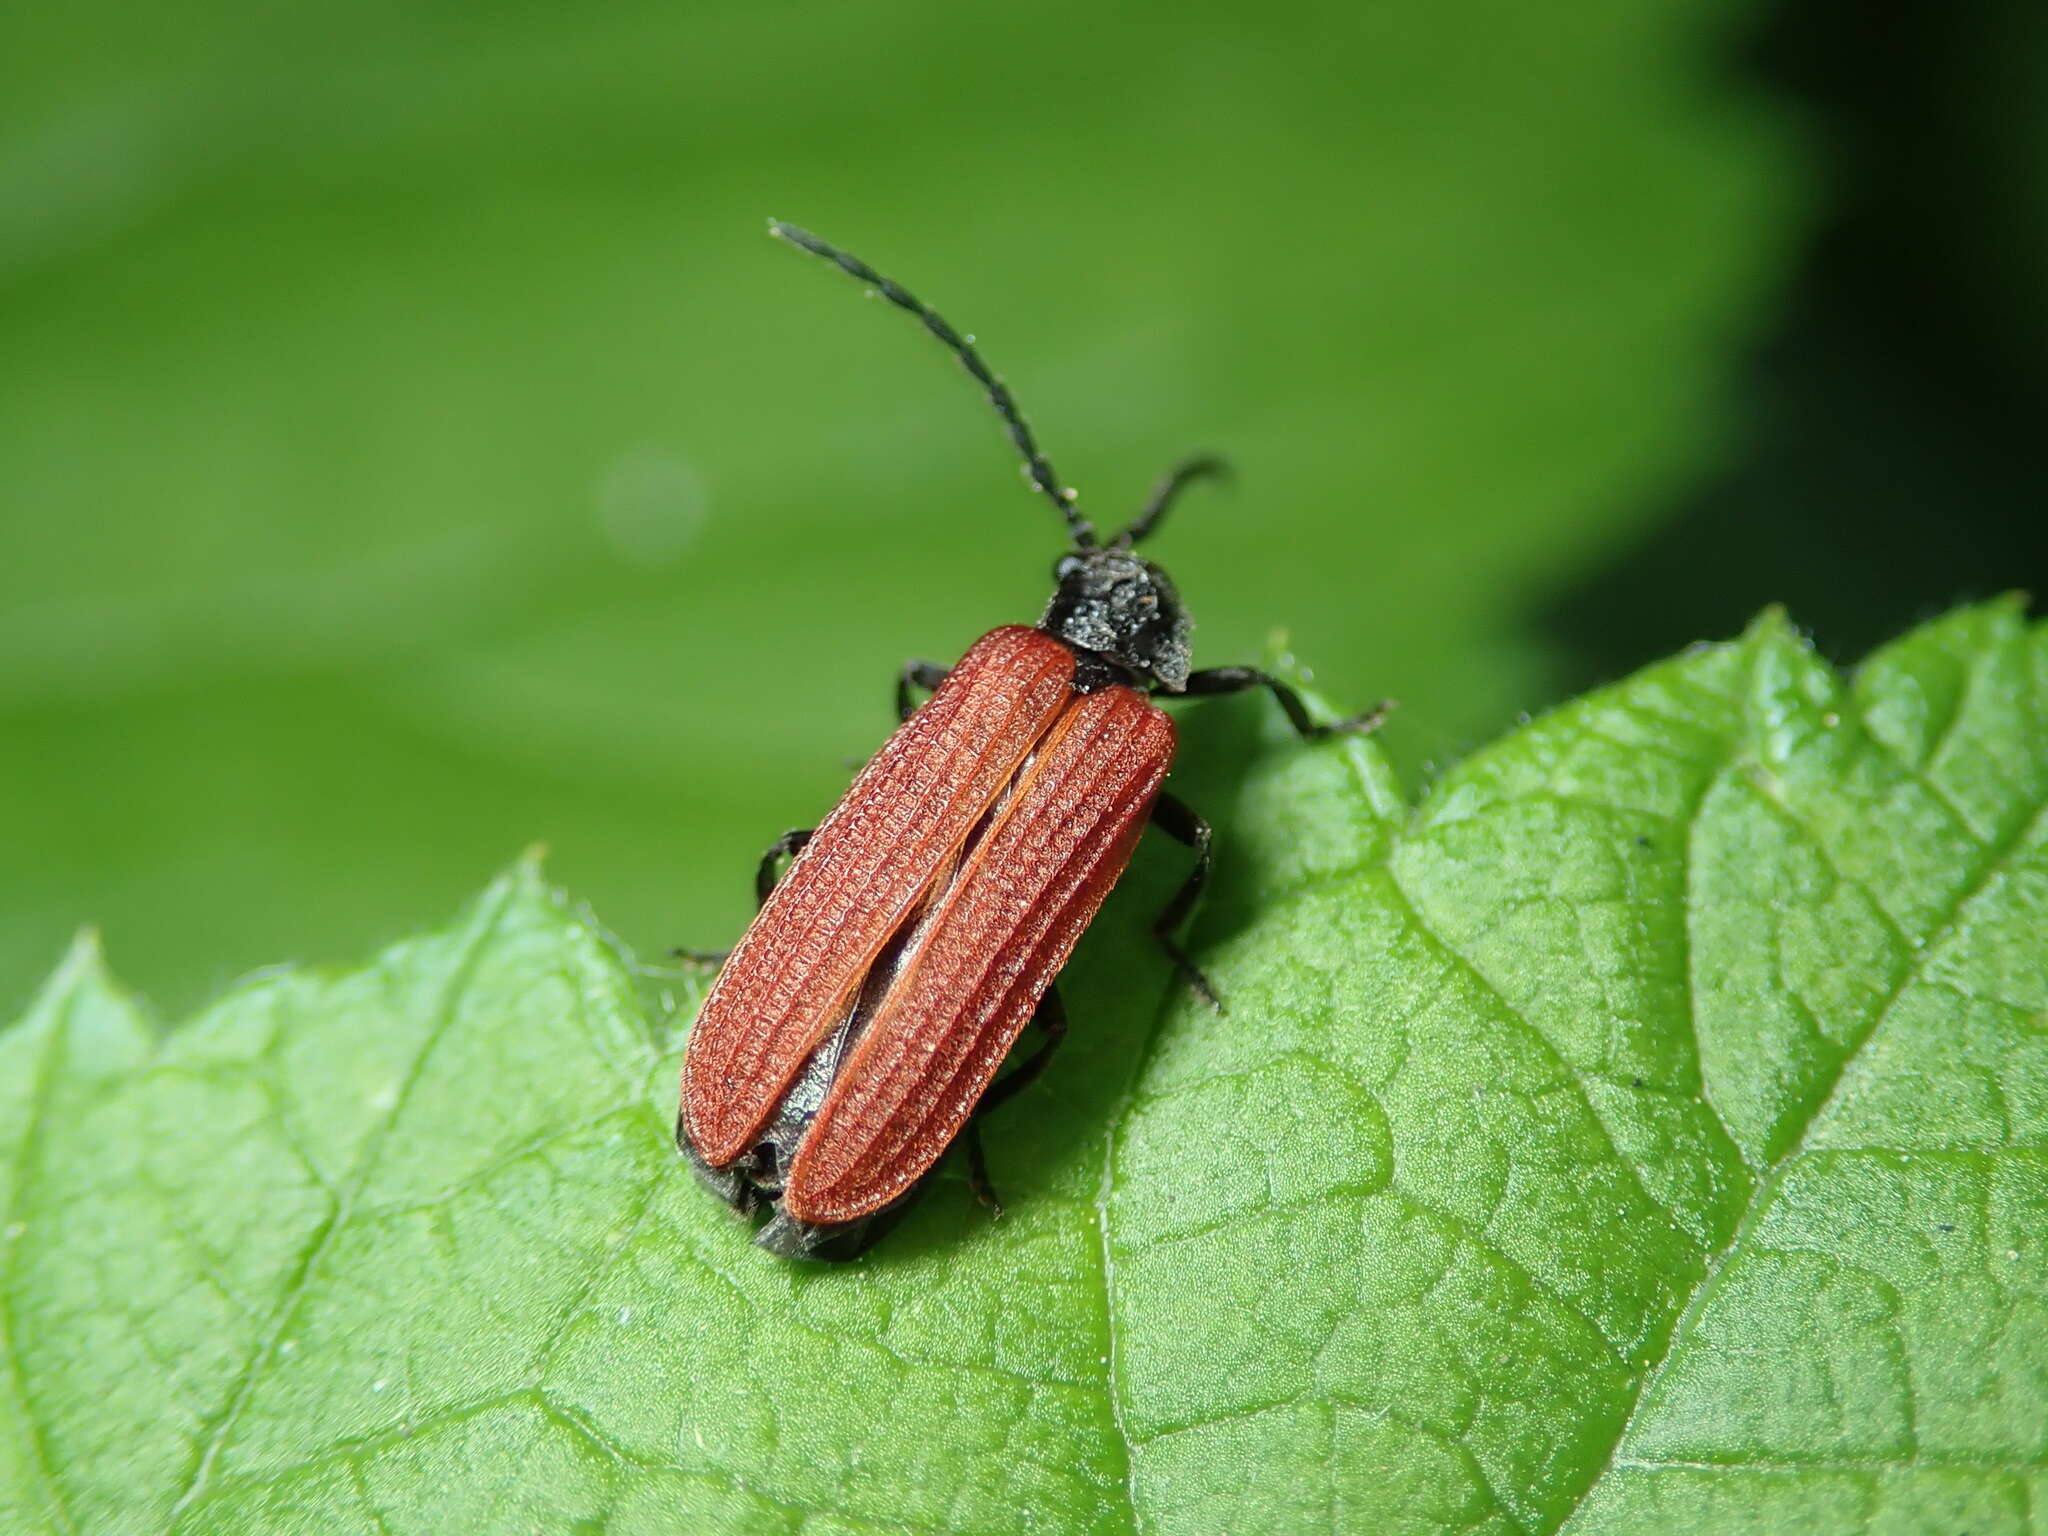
[[1220, 680]]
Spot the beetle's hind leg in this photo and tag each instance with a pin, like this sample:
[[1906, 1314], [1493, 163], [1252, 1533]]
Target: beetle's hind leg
[[1051, 1019], [1177, 819], [916, 674], [1218, 680]]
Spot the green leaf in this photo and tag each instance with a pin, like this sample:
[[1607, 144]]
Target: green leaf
[[1647, 1132]]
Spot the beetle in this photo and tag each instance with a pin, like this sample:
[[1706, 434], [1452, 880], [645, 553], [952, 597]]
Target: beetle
[[858, 1027]]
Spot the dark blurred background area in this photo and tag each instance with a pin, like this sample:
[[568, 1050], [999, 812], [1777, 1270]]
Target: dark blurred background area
[[1891, 450], [411, 448]]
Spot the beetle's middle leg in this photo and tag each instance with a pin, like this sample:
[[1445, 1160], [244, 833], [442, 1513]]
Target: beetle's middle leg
[[790, 843], [916, 674], [1177, 819], [1051, 1019]]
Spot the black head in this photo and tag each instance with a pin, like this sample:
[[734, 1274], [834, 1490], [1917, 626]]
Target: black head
[[1108, 602], [1125, 609]]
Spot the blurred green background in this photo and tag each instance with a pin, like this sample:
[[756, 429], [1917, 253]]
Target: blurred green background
[[411, 447]]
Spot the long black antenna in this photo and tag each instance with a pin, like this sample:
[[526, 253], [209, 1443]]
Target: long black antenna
[[1036, 464], [1203, 466]]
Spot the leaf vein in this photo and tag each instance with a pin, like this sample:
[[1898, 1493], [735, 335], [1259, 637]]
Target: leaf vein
[[322, 1240], [1570, 1070], [25, 1162]]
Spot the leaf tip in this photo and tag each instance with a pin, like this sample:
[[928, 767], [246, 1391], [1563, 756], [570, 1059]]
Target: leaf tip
[[521, 886], [84, 966], [1773, 624], [2007, 612], [83, 988]]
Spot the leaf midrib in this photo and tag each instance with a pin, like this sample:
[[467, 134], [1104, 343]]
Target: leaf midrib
[[1943, 932]]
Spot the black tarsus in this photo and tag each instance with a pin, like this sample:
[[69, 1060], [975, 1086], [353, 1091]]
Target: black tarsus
[[1220, 680], [1036, 465], [1177, 819], [916, 674], [1202, 466]]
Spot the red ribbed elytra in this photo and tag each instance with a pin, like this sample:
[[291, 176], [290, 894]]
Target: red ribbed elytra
[[997, 936], [943, 895], [868, 867]]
